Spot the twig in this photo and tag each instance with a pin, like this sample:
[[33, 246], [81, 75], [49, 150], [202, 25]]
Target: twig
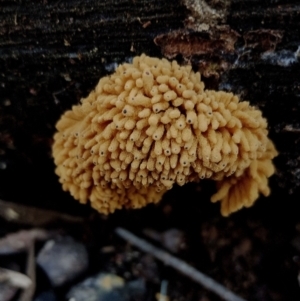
[[33, 216], [14, 278], [27, 294], [20, 241], [179, 265]]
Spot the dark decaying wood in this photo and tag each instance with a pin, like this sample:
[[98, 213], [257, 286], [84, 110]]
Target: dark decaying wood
[[52, 53]]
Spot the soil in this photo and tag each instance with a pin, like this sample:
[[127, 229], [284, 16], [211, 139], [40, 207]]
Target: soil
[[253, 252]]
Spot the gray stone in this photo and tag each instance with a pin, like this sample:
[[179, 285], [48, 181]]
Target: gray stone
[[63, 259]]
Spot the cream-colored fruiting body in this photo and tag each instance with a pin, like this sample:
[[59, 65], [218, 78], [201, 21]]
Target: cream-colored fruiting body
[[151, 125]]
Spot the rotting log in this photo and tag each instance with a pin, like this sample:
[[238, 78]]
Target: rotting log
[[52, 53]]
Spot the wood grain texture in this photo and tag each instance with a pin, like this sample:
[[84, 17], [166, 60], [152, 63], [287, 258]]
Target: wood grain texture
[[52, 53]]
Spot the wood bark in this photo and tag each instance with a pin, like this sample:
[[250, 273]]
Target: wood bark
[[52, 53]]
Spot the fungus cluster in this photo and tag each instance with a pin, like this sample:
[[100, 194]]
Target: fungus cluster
[[151, 125]]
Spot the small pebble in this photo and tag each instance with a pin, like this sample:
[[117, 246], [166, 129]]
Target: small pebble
[[63, 260], [107, 287]]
